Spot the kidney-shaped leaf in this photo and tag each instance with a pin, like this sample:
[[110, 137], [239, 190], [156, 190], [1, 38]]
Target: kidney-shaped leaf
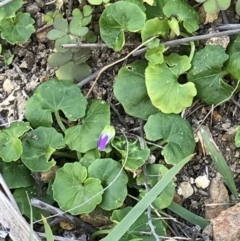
[[38, 146], [207, 74], [233, 63], [16, 175], [163, 88], [130, 90], [109, 172], [119, 17], [18, 29], [11, 146], [140, 227], [184, 12], [9, 9], [154, 27], [85, 137], [155, 173], [74, 192], [53, 96], [135, 154], [174, 131]]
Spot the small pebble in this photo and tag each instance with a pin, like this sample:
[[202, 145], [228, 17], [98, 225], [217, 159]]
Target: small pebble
[[202, 182]]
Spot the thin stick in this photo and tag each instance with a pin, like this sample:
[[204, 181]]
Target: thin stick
[[58, 238], [93, 45], [8, 193], [5, 2], [189, 39], [168, 43], [116, 62], [228, 27], [57, 212]]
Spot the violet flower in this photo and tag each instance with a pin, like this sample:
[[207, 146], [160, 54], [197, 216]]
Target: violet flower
[[106, 136]]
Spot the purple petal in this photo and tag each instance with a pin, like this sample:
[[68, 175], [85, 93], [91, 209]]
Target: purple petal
[[103, 141]]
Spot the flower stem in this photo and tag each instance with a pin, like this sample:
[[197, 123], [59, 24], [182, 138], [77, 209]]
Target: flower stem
[[59, 121]]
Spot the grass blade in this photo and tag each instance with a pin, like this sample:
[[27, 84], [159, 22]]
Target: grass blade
[[187, 215], [48, 231], [218, 159], [142, 205]]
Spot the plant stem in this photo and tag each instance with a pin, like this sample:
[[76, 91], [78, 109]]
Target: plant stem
[[59, 121], [61, 154], [192, 44], [99, 232]]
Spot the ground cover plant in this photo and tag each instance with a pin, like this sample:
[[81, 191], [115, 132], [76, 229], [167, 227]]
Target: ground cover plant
[[91, 164]]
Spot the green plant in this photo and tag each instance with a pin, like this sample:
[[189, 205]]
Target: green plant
[[96, 167], [6, 55], [49, 17], [71, 63], [15, 27]]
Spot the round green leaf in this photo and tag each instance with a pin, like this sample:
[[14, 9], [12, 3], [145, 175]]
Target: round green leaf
[[214, 6], [81, 56], [66, 39], [89, 157], [175, 132], [11, 146], [119, 17], [16, 175], [60, 29], [237, 8], [66, 71], [59, 59], [130, 90], [81, 71], [207, 74], [184, 12], [154, 27], [155, 173], [55, 34], [76, 27], [9, 9], [95, 2], [87, 10], [140, 227], [233, 63], [74, 192], [155, 55], [18, 29], [53, 96], [163, 88], [38, 146], [107, 170], [85, 137], [136, 155]]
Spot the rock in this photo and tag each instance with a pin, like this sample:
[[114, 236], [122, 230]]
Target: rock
[[202, 182], [226, 226], [8, 86], [215, 204], [185, 189]]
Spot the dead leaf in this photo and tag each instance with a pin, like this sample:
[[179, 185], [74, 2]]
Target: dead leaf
[[66, 226]]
